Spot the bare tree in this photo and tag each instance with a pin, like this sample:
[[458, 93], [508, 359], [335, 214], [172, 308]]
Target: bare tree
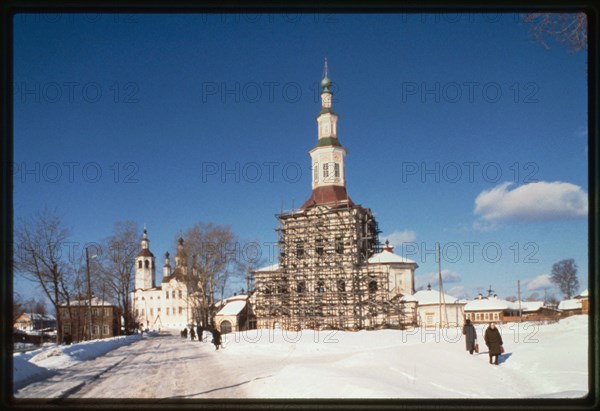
[[215, 251], [564, 275], [512, 298], [39, 256], [533, 297], [118, 269], [569, 29]]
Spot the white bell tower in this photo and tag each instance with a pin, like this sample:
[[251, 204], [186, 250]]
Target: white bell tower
[[145, 268]]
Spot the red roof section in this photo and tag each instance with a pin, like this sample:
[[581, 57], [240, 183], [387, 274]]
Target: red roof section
[[327, 195], [145, 253]]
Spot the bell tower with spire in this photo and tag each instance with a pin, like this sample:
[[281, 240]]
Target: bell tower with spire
[[145, 270], [327, 157]]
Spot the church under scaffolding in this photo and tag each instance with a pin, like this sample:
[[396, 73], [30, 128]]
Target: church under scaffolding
[[332, 270]]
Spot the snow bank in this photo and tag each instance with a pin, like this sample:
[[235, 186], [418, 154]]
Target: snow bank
[[547, 360], [44, 362]]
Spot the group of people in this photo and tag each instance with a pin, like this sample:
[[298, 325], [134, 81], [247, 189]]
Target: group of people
[[216, 340], [491, 337]]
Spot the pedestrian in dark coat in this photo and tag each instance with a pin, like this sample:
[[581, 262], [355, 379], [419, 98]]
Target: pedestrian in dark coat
[[199, 331], [493, 340], [192, 333], [470, 335], [184, 333], [216, 338]]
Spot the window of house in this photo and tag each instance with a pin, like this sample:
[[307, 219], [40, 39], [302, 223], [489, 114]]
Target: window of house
[[140, 264], [137, 312], [496, 316], [152, 298], [299, 249], [477, 316], [301, 287], [168, 310], [372, 286], [105, 330], [468, 316], [95, 311], [167, 295], [325, 170], [147, 263], [158, 310], [319, 246], [67, 329], [429, 319], [486, 316], [173, 293], [320, 286], [180, 294], [95, 330], [180, 310], [341, 285], [337, 170], [151, 311], [106, 312], [316, 172]]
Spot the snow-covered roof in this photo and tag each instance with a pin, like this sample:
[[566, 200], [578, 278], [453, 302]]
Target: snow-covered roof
[[529, 306], [490, 304], [232, 308], [409, 298], [387, 257], [273, 267], [572, 304], [429, 297], [40, 317], [584, 294], [95, 302]]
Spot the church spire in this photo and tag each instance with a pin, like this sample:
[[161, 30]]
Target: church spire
[[328, 179]]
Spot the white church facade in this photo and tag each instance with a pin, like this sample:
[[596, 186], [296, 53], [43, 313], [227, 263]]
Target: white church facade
[[165, 305]]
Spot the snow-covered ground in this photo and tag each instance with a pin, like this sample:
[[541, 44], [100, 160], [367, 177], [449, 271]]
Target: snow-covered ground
[[540, 361]]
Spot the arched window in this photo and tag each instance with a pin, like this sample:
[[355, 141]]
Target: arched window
[[140, 264], [320, 286], [341, 285], [373, 286], [147, 263], [225, 327], [301, 287]]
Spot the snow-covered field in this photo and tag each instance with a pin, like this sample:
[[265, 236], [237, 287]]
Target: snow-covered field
[[540, 361]]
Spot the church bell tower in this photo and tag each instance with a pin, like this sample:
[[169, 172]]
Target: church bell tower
[[327, 157], [145, 269]]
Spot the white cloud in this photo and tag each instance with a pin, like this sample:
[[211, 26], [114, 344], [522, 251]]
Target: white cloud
[[457, 291], [540, 282], [432, 278], [398, 237], [534, 201]]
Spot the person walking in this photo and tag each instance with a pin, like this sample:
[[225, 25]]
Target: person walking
[[199, 331], [216, 338], [493, 340], [184, 333], [470, 336], [192, 333]]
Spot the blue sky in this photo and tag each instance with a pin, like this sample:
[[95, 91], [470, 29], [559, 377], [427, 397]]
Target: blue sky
[[436, 112]]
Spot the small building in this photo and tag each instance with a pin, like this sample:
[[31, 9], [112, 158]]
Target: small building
[[84, 320], [35, 322], [484, 309], [583, 297], [537, 311], [570, 307], [429, 312], [235, 315]]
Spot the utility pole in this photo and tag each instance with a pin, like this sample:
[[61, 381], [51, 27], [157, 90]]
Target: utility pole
[[519, 293], [89, 292]]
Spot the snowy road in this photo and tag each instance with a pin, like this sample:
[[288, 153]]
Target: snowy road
[[171, 367]]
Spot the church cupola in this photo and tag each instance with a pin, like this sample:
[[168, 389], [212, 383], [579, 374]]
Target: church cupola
[[167, 266], [181, 255], [327, 157], [145, 270]]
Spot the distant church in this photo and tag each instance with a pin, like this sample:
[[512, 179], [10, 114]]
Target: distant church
[[165, 305], [332, 270]]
